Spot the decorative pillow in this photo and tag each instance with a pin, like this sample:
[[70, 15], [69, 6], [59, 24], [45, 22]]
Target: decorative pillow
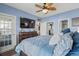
[[66, 31], [75, 38], [64, 46], [54, 39], [73, 29], [75, 48]]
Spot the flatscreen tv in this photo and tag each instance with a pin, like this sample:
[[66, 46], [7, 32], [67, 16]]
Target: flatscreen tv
[[27, 23]]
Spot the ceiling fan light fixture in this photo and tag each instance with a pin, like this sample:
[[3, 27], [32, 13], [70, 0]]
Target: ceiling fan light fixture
[[46, 7], [44, 10]]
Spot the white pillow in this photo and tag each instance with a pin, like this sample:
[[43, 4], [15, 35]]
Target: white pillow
[[64, 46], [73, 29], [54, 39]]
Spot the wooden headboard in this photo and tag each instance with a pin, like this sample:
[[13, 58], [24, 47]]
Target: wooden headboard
[[24, 35]]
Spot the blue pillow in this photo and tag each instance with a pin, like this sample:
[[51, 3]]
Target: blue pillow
[[75, 38], [75, 47], [66, 31]]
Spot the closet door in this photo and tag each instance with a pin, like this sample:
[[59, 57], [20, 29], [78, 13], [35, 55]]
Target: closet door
[[7, 32]]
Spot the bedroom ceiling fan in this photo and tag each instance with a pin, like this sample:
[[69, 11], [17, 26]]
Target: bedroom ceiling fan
[[46, 7]]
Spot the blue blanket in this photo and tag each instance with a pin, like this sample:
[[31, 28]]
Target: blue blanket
[[39, 46], [36, 46]]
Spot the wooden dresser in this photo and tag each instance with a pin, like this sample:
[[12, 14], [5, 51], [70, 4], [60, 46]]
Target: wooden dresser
[[24, 35]]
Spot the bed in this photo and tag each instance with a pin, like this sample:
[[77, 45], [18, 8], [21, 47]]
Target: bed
[[39, 46], [35, 46]]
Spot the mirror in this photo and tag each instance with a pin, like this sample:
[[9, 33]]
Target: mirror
[[64, 24]]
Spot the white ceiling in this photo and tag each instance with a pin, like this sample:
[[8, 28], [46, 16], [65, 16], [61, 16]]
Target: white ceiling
[[30, 8]]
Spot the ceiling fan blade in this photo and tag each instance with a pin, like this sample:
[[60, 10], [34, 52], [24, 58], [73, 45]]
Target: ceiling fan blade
[[49, 4], [39, 6], [38, 10], [51, 8]]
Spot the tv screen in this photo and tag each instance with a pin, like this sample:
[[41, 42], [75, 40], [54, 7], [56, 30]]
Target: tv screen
[[27, 23]]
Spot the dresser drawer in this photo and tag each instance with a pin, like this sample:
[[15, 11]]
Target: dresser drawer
[[24, 35]]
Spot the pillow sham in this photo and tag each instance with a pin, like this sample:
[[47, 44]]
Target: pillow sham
[[66, 31], [54, 39], [73, 29], [64, 46], [75, 38]]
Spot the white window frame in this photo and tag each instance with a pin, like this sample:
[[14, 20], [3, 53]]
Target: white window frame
[[6, 48]]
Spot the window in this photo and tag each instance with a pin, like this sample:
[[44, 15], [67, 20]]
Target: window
[[75, 23], [5, 32]]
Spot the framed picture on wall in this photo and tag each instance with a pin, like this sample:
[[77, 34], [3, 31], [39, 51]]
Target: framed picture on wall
[[27, 23]]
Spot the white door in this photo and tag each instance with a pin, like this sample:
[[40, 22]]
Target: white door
[[7, 32], [43, 28]]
